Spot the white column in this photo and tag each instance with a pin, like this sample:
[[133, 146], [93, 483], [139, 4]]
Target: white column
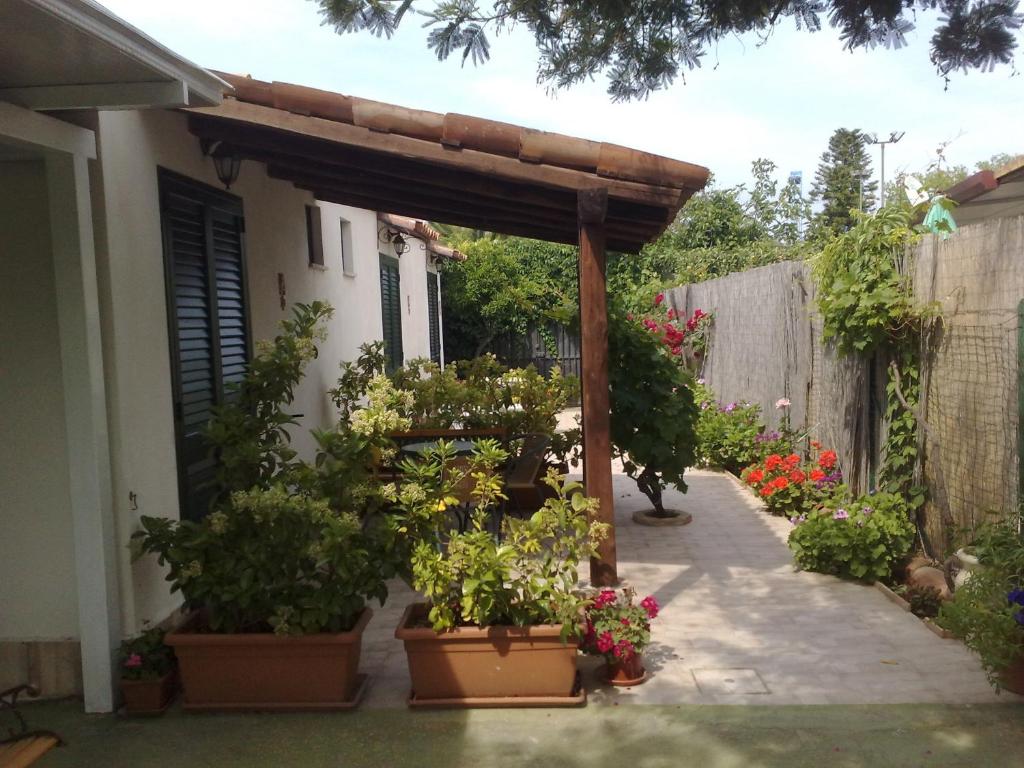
[[85, 414]]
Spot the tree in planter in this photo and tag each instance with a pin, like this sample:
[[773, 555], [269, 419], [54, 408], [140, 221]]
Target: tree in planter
[[653, 413]]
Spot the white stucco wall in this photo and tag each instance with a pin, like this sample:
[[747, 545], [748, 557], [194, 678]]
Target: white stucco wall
[[132, 146], [37, 567]]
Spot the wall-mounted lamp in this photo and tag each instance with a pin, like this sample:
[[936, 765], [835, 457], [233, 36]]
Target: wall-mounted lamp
[[226, 161], [394, 237]]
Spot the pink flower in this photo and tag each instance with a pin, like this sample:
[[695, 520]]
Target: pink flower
[[658, 299], [782, 402], [605, 642], [133, 661], [624, 650], [650, 605], [606, 598]]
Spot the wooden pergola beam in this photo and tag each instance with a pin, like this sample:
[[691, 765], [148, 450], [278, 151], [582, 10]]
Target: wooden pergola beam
[[597, 447]]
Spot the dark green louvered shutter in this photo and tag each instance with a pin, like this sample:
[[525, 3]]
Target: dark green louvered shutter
[[433, 316], [203, 231], [391, 311]]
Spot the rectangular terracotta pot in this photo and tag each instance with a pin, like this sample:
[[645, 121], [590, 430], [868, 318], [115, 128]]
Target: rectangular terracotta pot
[[149, 697], [267, 671], [470, 665]]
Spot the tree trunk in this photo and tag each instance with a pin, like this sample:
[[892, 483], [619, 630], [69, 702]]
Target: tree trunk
[[650, 484]]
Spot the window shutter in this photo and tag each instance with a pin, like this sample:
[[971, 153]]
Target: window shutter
[[204, 253], [433, 316], [391, 312]]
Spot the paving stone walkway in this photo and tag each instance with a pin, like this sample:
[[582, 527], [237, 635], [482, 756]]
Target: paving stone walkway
[[739, 625]]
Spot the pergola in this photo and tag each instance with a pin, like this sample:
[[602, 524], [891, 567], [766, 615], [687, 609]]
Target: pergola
[[476, 173]]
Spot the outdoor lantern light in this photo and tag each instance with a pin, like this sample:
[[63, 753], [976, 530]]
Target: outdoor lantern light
[[226, 162], [394, 237]]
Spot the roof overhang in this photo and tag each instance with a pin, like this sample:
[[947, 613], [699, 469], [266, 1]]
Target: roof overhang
[[989, 194], [74, 54], [422, 231], [449, 168]]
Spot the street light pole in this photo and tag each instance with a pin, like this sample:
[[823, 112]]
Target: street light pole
[[894, 138]]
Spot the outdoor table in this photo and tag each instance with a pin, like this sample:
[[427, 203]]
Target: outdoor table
[[461, 446]]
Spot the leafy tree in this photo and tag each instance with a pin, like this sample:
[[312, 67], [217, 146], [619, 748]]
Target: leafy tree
[[644, 46], [843, 181]]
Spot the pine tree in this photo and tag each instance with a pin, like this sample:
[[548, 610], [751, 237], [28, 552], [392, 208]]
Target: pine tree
[[843, 180]]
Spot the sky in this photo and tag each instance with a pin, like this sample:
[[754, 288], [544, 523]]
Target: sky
[[780, 100]]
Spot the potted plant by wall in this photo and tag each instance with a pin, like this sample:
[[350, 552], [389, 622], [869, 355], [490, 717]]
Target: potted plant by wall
[[277, 576], [987, 610], [148, 675], [502, 612], [618, 629]]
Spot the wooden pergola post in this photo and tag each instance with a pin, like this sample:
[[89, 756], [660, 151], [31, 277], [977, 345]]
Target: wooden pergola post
[[597, 446]]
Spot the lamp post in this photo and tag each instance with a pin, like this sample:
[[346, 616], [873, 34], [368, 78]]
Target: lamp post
[[894, 138]]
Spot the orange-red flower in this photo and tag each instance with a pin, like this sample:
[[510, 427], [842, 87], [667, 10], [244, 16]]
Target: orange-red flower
[[767, 491], [817, 474], [780, 482], [796, 476], [773, 462], [755, 476], [791, 461], [827, 460]]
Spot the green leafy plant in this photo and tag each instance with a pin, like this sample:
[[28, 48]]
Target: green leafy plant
[[727, 435], [987, 610], [146, 657], [862, 539], [249, 433], [653, 414], [526, 576], [272, 560]]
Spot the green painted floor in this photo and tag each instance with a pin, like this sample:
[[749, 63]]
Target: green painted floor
[[626, 737]]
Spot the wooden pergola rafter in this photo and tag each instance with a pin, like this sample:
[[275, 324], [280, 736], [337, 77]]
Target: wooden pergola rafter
[[476, 173]]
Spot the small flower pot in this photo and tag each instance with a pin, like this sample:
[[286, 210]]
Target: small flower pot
[[625, 673], [149, 697]]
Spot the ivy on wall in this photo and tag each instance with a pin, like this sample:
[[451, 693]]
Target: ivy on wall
[[865, 297]]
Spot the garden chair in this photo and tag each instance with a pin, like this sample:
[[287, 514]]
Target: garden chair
[[22, 747]]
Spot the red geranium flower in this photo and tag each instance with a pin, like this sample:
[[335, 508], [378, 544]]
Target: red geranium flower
[[817, 474], [767, 491], [797, 476], [658, 299], [773, 462], [755, 476], [780, 482], [827, 460]]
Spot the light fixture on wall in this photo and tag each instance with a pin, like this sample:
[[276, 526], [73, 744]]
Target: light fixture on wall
[[226, 161], [394, 237]]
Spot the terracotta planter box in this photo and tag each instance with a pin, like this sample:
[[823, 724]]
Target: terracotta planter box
[[492, 667], [267, 671], [149, 697]]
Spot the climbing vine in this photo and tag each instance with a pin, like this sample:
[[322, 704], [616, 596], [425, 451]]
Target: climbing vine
[[865, 297]]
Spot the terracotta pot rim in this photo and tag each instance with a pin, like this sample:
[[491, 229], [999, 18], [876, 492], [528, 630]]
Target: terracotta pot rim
[[182, 636], [414, 610], [147, 680]]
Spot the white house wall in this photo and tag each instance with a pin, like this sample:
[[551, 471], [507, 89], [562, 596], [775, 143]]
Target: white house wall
[[132, 146], [37, 580]]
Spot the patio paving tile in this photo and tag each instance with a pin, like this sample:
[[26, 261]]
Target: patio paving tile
[[731, 600]]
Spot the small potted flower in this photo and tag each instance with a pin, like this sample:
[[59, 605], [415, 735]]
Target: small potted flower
[[148, 674], [619, 629]]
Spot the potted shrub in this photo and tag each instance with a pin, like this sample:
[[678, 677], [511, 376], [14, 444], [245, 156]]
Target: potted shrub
[[501, 614], [148, 675], [277, 576], [618, 629], [279, 583], [987, 610]]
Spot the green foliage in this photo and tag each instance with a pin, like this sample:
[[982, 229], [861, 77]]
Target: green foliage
[[864, 292], [644, 47], [526, 577], [987, 611], [843, 181], [145, 657], [250, 432], [900, 450], [726, 434], [653, 414], [863, 539], [272, 560]]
